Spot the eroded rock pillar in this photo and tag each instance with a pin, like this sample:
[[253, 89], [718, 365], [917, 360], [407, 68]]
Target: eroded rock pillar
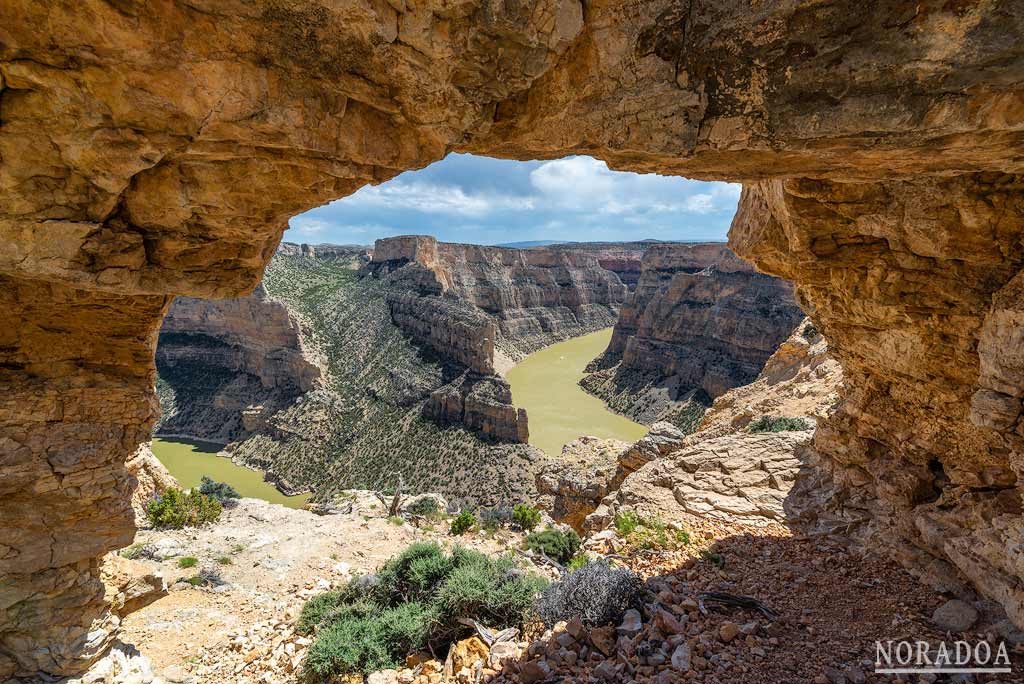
[[76, 372], [918, 287]]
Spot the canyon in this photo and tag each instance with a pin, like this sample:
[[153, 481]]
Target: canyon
[[152, 150], [700, 322]]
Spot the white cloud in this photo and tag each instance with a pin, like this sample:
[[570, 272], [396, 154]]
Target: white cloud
[[584, 183], [430, 197], [308, 226], [574, 182]]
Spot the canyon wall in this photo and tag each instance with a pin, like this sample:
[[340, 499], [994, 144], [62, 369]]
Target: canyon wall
[[223, 363], [157, 149], [699, 322], [535, 296]]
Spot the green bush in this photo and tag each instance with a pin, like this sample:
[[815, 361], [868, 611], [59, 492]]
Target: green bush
[[577, 562], [463, 523], [557, 545], [188, 562], [425, 506], [809, 332], [413, 603], [526, 516], [221, 491], [778, 424], [626, 523], [175, 509]]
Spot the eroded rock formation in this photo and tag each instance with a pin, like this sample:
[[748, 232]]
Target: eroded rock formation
[[151, 480], [157, 149], [700, 322], [225, 363], [723, 470], [534, 297], [916, 286]]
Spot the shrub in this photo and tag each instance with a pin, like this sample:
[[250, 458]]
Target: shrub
[[413, 603], [809, 332], [493, 518], [132, 552], [526, 516], [596, 593], [577, 562], [655, 535], [557, 545], [425, 506], [778, 424], [626, 523], [225, 560], [463, 523], [188, 562], [221, 491], [175, 509]]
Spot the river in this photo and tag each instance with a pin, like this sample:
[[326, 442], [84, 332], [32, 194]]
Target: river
[[545, 383], [189, 460]]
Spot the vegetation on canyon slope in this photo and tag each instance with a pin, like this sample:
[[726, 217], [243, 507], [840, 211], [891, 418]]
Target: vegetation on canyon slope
[[363, 427]]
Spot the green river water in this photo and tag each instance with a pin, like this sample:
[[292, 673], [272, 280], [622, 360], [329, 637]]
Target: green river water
[[189, 460], [559, 411]]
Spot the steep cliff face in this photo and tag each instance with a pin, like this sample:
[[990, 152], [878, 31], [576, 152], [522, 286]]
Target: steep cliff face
[[157, 149], [534, 296], [223, 362], [700, 322], [916, 286]]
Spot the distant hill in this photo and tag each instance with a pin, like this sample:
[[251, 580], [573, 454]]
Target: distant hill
[[526, 244]]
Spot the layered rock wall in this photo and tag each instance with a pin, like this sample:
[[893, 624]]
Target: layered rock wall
[[699, 322], [916, 285], [535, 296], [483, 405], [224, 362]]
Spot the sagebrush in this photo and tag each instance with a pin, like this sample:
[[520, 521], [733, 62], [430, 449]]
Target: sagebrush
[[221, 491], [175, 509], [558, 545], [414, 603], [597, 594], [778, 424], [526, 516]]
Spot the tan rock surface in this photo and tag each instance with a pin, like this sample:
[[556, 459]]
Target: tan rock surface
[[912, 284], [800, 380], [152, 479], [157, 149]]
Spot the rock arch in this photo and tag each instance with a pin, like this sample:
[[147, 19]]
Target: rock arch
[[157, 148]]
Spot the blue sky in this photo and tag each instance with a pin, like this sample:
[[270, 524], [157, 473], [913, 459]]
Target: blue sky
[[465, 198]]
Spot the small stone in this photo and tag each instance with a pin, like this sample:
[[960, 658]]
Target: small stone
[[681, 658], [955, 616], [576, 628], [632, 622], [728, 631], [603, 639], [606, 670], [534, 671], [668, 623]]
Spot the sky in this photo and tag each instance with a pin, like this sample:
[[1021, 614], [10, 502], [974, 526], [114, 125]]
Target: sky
[[465, 198]]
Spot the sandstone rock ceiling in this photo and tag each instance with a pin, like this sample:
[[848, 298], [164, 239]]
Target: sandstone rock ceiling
[[155, 148]]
